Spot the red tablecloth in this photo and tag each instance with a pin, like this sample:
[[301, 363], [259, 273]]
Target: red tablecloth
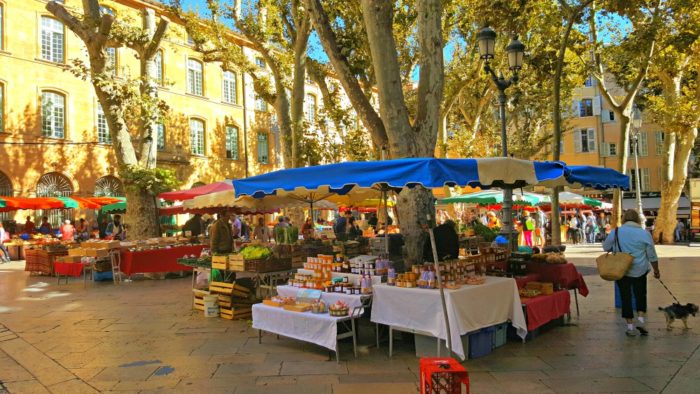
[[543, 309], [521, 281], [159, 260], [565, 275], [68, 269]]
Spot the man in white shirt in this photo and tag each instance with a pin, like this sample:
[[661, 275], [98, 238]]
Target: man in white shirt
[[235, 227]]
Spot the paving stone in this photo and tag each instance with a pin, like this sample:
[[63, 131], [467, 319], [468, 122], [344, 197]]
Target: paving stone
[[313, 368], [136, 373], [73, 386], [384, 388], [515, 364], [46, 371], [249, 370], [602, 385], [26, 386], [292, 389]]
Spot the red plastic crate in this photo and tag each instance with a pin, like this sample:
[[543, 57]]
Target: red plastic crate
[[442, 376]]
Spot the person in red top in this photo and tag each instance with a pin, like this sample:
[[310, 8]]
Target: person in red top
[[67, 231], [29, 226]]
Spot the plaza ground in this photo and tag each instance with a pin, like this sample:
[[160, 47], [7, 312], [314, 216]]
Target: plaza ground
[[143, 337]]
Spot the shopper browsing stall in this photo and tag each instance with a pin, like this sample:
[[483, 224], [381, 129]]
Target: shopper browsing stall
[[67, 231]]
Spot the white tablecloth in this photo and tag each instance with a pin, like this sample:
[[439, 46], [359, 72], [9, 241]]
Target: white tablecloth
[[321, 329], [353, 301], [469, 308], [354, 278]]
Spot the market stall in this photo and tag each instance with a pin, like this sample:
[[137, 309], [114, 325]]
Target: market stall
[[160, 259], [419, 310]]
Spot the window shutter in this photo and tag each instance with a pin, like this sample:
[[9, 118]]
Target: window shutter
[[644, 177], [577, 141], [591, 140], [643, 145], [596, 105], [605, 115], [604, 149], [575, 109]]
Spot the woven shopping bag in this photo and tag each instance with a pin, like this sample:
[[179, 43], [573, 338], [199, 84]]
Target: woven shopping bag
[[613, 265]]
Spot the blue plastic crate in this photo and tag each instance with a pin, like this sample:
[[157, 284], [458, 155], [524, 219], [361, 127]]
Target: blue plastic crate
[[103, 276], [481, 342], [500, 335]]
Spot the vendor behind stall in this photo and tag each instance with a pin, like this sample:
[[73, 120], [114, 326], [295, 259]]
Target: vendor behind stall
[[307, 229], [45, 227], [446, 242], [262, 233], [194, 225], [29, 226], [221, 238]]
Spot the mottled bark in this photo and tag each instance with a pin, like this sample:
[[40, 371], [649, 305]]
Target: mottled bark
[[366, 113], [298, 84], [141, 216]]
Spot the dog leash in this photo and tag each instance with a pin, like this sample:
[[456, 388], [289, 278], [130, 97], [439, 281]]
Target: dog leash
[[669, 291]]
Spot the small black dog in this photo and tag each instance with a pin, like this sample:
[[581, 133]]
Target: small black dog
[[678, 311]]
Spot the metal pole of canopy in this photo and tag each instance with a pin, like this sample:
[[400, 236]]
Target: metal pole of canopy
[[439, 283]]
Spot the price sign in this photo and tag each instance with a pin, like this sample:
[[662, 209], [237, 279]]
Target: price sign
[[308, 295]]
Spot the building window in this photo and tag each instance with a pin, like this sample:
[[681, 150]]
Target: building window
[[260, 62], [190, 40], [658, 137], [51, 40], [53, 114], [109, 186], [232, 142], [645, 184], [642, 145], [612, 149], [229, 87], [611, 116], [262, 148], [260, 104], [103, 136], [585, 107], [111, 63], [194, 77], [197, 137], [584, 141], [588, 82], [310, 108], [158, 60], [54, 184], [160, 138]]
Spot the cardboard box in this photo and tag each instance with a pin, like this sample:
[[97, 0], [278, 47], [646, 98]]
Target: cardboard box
[[97, 253], [544, 287], [70, 259], [76, 252]]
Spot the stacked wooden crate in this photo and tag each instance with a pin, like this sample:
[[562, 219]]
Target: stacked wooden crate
[[234, 300]]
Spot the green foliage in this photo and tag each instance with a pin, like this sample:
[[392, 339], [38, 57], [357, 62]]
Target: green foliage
[[487, 233], [152, 180]]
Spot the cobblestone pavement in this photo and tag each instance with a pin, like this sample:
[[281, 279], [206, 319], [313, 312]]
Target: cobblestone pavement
[[143, 337]]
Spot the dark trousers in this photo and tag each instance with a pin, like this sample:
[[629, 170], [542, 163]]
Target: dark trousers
[[628, 285]]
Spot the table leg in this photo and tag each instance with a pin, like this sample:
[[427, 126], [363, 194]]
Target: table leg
[[337, 352], [354, 337], [376, 333], [576, 298], [391, 341]]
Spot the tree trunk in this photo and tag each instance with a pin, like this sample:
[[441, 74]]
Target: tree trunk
[[141, 214], [378, 20], [298, 85], [677, 150], [369, 117], [413, 207], [285, 124], [149, 88], [622, 157]]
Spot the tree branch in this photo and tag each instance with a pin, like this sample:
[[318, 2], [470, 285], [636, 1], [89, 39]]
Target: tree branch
[[73, 23], [153, 45]]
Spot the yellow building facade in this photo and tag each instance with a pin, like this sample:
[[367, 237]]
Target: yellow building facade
[[592, 133], [53, 136]]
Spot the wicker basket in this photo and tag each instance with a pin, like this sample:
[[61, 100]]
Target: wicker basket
[[338, 312]]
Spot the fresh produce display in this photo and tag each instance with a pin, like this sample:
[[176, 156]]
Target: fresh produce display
[[339, 309], [256, 252], [319, 306], [286, 235]]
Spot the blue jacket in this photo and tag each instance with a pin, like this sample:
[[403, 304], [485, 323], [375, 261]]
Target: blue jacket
[[637, 242]]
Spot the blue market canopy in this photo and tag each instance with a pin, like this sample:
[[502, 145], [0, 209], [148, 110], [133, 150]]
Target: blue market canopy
[[344, 178], [599, 178]]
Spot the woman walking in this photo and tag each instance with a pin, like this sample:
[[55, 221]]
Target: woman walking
[[633, 239]]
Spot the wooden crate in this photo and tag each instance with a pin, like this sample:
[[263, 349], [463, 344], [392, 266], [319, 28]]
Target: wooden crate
[[199, 299], [230, 289], [235, 313]]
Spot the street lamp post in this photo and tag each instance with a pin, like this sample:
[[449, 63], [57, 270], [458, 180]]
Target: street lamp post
[[637, 124], [516, 49]]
